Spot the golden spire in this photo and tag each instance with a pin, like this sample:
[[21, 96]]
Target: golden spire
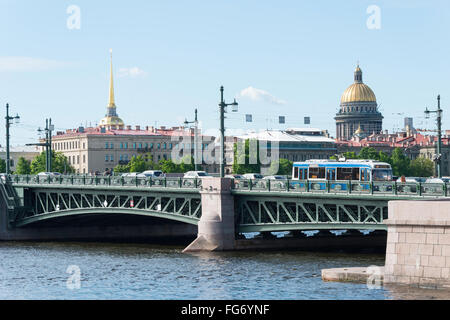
[[112, 103]]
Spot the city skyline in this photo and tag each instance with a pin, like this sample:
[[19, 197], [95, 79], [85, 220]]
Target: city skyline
[[165, 59]]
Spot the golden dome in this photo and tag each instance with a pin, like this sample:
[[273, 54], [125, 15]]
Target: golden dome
[[111, 121], [358, 92]]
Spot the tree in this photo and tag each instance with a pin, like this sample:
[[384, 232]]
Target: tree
[[400, 163], [23, 166], [187, 164], [422, 167], [368, 153], [137, 164], [168, 166], [120, 168], [281, 167], [241, 163], [2, 166], [59, 163]]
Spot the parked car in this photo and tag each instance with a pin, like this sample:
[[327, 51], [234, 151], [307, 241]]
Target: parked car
[[433, 185], [51, 174], [412, 180], [152, 174], [130, 174], [196, 174], [253, 176], [234, 176], [275, 178]]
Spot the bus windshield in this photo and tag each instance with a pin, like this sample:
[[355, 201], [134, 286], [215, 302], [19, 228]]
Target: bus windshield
[[382, 175]]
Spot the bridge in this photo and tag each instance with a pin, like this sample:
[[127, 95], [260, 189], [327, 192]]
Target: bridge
[[250, 205]]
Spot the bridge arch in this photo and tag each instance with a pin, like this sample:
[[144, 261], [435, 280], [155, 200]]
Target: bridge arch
[[51, 216]]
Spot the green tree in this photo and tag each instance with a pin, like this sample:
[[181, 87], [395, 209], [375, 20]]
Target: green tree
[[281, 167], [120, 168], [422, 167], [368, 153], [138, 164], [241, 163], [168, 166], [59, 163], [187, 164], [2, 166], [23, 166], [400, 163]]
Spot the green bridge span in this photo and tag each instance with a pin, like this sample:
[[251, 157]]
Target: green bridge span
[[259, 205]]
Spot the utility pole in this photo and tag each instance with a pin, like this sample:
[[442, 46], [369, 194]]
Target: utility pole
[[222, 111], [437, 158], [47, 144], [196, 160], [8, 124]]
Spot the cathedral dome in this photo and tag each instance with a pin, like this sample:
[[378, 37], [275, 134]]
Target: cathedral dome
[[358, 91]]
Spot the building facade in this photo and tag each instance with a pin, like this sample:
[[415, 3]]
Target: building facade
[[295, 144], [358, 111], [100, 149]]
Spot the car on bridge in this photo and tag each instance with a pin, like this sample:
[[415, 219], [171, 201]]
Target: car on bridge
[[51, 174], [409, 184], [275, 178], [152, 174], [196, 174]]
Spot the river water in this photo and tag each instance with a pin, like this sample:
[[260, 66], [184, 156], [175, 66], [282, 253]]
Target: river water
[[141, 271]]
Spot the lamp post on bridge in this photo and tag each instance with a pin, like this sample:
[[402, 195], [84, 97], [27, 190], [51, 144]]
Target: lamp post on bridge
[[222, 106], [8, 124], [437, 158], [195, 122]]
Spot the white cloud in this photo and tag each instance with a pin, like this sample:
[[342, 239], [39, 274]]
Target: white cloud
[[258, 95], [25, 64], [131, 72]]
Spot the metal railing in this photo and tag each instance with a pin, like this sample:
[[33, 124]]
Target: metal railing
[[344, 187], [76, 180], [312, 186]]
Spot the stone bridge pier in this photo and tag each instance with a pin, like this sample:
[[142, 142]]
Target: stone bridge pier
[[216, 229]]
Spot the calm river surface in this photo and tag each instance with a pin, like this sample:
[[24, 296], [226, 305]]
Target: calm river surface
[[142, 271]]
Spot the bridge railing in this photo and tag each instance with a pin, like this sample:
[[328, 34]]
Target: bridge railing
[[188, 183], [343, 187]]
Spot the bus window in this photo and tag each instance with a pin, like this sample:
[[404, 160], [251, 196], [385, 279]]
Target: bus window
[[296, 173], [355, 174], [365, 175], [344, 173], [317, 173]]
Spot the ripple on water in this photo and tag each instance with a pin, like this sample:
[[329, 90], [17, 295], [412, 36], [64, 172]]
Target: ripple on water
[[139, 271]]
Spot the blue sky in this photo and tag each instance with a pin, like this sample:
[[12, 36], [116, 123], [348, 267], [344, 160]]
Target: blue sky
[[290, 58]]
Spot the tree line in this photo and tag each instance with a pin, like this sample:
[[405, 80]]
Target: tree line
[[400, 163]]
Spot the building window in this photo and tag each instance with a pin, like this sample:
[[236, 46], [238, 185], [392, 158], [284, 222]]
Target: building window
[[151, 146], [165, 146], [84, 158], [111, 158], [126, 145], [134, 145], [170, 146], [140, 145], [78, 159], [106, 145], [159, 146], [111, 146], [106, 158]]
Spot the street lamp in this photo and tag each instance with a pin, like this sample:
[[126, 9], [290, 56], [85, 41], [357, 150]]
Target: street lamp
[[195, 122], [8, 124], [222, 106], [438, 156]]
